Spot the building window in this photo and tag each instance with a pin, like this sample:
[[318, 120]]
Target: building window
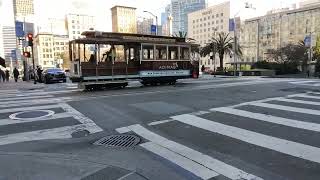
[[43, 55], [194, 26], [204, 41], [217, 15], [209, 61], [221, 27], [212, 16], [57, 43], [200, 25], [221, 20], [217, 21], [208, 29], [221, 14], [73, 27], [74, 37], [78, 32], [212, 22], [50, 55], [194, 21], [200, 30], [217, 28], [61, 43], [200, 19], [47, 55], [58, 48], [73, 32], [72, 21], [204, 18], [197, 20], [204, 24], [208, 23], [208, 17], [78, 27], [205, 30]]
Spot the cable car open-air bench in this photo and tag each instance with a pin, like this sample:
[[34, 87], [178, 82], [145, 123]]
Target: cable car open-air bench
[[104, 59]]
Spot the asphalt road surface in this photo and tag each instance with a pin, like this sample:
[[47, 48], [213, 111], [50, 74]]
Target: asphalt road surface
[[210, 128]]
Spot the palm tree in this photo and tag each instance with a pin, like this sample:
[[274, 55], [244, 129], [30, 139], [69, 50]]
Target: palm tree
[[223, 44], [181, 34]]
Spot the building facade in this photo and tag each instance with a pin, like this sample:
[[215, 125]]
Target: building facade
[[308, 3], [9, 42], [272, 31], [203, 25], [124, 19], [49, 49], [54, 26], [78, 23], [23, 7], [180, 10], [144, 26]]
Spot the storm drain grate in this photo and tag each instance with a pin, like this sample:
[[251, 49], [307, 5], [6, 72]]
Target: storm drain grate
[[118, 141]]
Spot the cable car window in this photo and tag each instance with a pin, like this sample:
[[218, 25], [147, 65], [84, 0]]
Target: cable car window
[[185, 53], [161, 52], [173, 52], [147, 51]]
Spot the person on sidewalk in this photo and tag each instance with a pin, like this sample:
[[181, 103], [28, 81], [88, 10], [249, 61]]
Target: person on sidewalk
[[7, 75], [2, 76], [39, 73], [16, 74]]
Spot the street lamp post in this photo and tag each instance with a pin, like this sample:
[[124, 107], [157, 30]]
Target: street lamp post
[[156, 17], [247, 6]]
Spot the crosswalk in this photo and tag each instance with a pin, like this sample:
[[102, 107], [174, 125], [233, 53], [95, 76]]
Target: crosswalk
[[39, 115], [308, 83], [279, 128]]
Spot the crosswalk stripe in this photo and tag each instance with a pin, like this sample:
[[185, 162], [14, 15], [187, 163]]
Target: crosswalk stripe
[[181, 161], [271, 119], [311, 92], [34, 102], [297, 101], [284, 146], [316, 84], [205, 160], [286, 108], [54, 116], [29, 108], [304, 96], [54, 133], [302, 82], [23, 98]]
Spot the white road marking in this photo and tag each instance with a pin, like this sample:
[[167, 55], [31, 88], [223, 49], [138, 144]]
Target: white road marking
[[316, 85], [181, 161], [199, 113], [302, 82], [54, 133], [81, 118], [34, 102], [314, 92], [287, 108], [28, 108], [23, 98], [123, 130], [159, 122], [55, 116], [284, 146], [304, 96], [297, 101], [271, 119], [198, 157]]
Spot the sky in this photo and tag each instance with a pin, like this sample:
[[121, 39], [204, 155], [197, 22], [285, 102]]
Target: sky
[[101, 8]]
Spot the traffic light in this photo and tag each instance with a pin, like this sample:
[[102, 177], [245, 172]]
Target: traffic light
[[26, 54], [30, 39]]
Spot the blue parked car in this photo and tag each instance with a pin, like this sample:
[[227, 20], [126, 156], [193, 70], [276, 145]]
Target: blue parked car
[[53, 75]]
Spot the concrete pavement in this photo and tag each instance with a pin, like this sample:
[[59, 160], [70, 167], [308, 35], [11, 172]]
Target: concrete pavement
[[219, 128]]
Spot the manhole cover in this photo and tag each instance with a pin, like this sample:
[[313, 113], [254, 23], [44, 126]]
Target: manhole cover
[[25, 115], [119, 141]]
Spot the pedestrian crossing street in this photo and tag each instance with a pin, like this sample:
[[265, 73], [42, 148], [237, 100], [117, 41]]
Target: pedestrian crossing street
[[310, 83], [278, 128], [39, 115]]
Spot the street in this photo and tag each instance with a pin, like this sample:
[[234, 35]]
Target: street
[[209, 128]]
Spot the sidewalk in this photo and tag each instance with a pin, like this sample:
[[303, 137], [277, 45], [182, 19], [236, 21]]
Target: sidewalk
[[20, 85]]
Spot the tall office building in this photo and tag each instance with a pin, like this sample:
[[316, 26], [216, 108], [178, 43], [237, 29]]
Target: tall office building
[[124, 19], [309, 3], [1, 43], [180, 10], [165, 23], [144, 26], [78, 23], [207, 23], [48, 49], [23, 7], [9, 41]]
